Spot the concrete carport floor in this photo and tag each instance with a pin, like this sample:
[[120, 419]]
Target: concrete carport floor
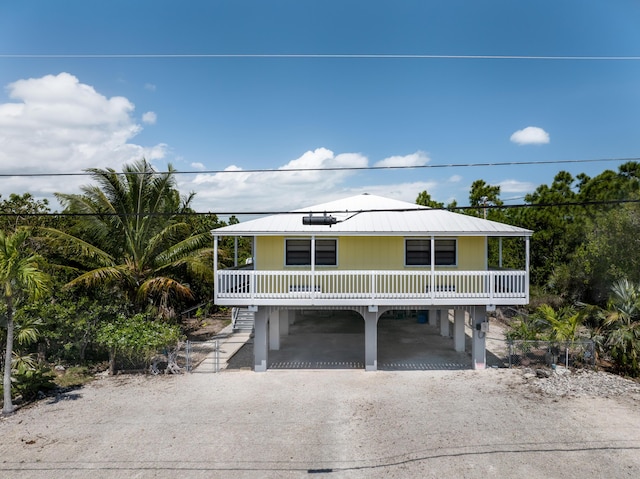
[[330, 339]]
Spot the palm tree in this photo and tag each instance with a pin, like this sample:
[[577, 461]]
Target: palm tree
[[20, 278], [622, 325], [563, 323], [130, 236]]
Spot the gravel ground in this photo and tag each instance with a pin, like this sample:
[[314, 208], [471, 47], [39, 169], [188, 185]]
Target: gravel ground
[[331, 423]]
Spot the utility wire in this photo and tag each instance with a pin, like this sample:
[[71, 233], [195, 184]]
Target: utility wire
[[335, 168], [381, 56], [313, 212]]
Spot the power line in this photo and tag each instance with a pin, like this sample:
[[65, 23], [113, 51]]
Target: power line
[[381, 56], [308, 212], [335, 168]]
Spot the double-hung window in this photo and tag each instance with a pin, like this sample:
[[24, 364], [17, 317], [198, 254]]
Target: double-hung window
[[298, 252], [418, 252]]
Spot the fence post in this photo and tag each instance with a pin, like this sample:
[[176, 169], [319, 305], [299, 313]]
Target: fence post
[[216, 362], [187, 352]]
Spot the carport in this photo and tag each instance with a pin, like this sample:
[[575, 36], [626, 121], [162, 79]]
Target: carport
[[335, 339]]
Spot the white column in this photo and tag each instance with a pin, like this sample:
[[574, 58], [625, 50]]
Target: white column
[[235, 251], [458, 330], [274, 329], [433, 317], [284, 322], [444, 322], [527, 265], [260, 341], [478, 344], [370, 341], [215, 269]]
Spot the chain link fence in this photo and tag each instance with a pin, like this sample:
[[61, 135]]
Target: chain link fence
[[517, 353]]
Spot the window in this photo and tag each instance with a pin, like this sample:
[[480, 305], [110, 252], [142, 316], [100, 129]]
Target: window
[[298, 252], [418, 252]]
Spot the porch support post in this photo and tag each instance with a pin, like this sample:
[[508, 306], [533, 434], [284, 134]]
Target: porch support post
[[478, 344], [527, 264], [444, 322], [458, 330], [235, 251], [370, 340], [313, 267], [215, 268], [274, 329], [500, 252], [284, 322], [260, 341]]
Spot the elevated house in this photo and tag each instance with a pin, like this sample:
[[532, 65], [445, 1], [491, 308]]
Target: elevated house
[[371, 255]]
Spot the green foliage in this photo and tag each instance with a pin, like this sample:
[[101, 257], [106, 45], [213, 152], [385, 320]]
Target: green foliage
[[29, 380], [547, 324], [621, 326], [482, 195], [22, 210], [21, 279], [69, 323], [137, 338], [561, 324], [134, 238], [525, 328], [424, 199]]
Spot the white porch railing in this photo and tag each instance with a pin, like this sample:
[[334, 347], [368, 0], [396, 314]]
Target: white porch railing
[[371, 287]]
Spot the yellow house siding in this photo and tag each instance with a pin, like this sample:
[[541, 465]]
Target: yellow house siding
[[471, 253], [269, 253], [370, 253]]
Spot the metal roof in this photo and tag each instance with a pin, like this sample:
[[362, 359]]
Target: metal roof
[[371, 215]]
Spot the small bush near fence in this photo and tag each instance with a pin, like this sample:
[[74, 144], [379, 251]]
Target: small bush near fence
[[547, 353]]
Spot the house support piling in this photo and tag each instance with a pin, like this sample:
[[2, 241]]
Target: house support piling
[[260, 340], [478, 344], [371, 339], [274, 329], [444, 322], [458, 330]]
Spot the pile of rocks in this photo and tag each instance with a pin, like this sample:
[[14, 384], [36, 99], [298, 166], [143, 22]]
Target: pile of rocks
[[580, 383]]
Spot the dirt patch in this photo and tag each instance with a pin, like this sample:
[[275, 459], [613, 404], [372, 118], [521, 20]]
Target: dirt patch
[[203, 329]]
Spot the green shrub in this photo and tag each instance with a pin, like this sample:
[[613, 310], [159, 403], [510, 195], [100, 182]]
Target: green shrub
[[137, 338]]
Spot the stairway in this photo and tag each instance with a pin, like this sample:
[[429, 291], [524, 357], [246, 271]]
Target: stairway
[[243, 319]]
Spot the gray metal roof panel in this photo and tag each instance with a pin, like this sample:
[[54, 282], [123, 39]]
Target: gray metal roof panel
[[373, 215]]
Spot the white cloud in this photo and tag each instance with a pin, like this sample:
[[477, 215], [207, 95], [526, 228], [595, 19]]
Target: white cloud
[[516, 186], [238, 190], [251, 191], [56, 124], [531, 135], [419, 158], [149, 86], [149, 118], [198, 166], [455, 179]]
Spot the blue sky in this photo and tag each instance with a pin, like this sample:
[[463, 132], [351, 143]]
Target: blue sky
[[63, 114]]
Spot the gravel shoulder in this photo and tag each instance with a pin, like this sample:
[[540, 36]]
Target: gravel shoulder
[[331, 423]]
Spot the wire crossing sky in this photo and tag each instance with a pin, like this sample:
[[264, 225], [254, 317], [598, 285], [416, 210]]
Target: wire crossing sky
[[284, 104]]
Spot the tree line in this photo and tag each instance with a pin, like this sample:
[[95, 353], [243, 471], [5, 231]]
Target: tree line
[[585, 258]]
